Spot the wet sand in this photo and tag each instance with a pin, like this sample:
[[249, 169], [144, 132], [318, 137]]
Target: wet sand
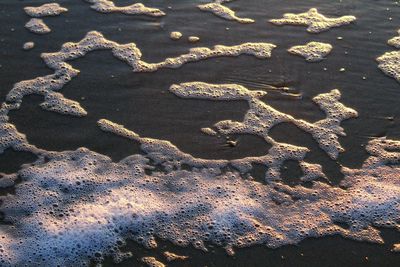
[[141, 101]]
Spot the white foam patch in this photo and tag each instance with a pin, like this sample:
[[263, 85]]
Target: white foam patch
[[259, 120], [389, 64], [58, 103], [170, 157], [128, 53], [76, 207], [37, 26], [11, 138], [383, 151], [79, 206], [261, 117], [312, 51], [64, 72], [106, 6], [222, 11], [314, 21], [52, 9], [161, 152], [395, 41]]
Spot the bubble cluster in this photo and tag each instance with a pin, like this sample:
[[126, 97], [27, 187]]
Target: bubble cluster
[[11, 138], [222, 11], [389, 62], [129, 53], [312, 51], [161, 152], [258, 120], [261, 117], [314, 21], [107, 6], [75, 208], [52, 9], [64, 73], [79, 206], [56, 102], [37, 26], [383, 152]]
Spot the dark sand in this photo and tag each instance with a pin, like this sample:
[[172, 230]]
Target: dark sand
[[142, 103]]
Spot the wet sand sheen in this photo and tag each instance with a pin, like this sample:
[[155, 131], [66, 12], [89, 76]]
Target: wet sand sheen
[[217, 81]]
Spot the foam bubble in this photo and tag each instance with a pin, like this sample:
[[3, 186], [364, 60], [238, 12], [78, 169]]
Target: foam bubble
[[175, 35], [106, 6], [193, 39], [312, 51], [222, 11], [52, 9], [37, 26], [28, 45], [315, 21]]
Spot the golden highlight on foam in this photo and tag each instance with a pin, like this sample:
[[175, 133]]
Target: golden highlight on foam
[[37, 26], [389, 62], [314, 21], [312, 51], [106, 6], [395, 41], [222, 11], [75, 207], [52, 9]]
